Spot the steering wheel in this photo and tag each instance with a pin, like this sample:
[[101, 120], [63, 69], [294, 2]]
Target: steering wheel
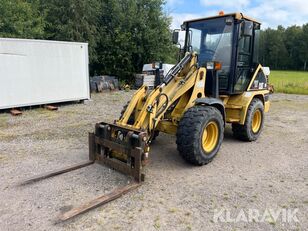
[[212, 52], [206, 55]]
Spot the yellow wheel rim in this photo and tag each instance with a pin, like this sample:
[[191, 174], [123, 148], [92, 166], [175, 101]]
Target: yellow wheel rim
[[256, 121], [210, 136]]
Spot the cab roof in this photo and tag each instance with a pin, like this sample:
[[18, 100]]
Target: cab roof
[[236, 15]]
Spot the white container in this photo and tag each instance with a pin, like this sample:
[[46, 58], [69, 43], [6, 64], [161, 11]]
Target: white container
[[35, 72]]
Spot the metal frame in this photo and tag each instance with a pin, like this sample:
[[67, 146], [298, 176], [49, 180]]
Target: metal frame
[[43, 75], [236, 15], [238, 19], [109, 140]]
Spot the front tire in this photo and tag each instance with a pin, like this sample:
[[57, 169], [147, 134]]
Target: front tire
[[253, 125], [200, 134]]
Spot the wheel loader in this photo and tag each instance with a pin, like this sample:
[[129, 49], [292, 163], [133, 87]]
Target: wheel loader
[[218, 80]]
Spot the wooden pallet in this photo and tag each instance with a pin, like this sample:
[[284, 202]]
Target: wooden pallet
[[51, 107], [15, 112]]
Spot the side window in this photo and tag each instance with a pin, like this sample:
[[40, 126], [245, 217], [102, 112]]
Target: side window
[[256, 44], [244, 51], [195, 39], [243, 80], [244, 44], [260, 82], [244, 64]]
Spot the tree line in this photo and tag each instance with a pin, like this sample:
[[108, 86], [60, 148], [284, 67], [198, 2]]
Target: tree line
[[285, 48], [122, 34], [125, 34]]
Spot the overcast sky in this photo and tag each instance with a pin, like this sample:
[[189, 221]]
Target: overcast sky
[[271, 12]]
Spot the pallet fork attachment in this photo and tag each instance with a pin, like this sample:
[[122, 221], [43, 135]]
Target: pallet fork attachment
[[119, 148], [107, 140], [55, 172], [101, 200]]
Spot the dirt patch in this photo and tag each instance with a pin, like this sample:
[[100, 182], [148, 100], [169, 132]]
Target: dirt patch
[[270, 173]]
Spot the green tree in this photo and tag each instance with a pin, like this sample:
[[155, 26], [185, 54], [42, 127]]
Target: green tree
[[133, 32], [292, 38], [285, 48], [303, 44], [122, 34], [21, 19], [72, 20], [274, 53]]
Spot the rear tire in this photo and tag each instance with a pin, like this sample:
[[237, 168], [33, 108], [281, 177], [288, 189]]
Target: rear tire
[[253, 125], [200, 134]]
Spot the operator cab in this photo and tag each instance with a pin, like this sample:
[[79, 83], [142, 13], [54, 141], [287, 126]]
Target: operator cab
[[231, 40]]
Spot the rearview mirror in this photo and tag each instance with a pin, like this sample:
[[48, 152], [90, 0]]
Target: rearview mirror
[[247, 28], [175, 36], [178, 38]]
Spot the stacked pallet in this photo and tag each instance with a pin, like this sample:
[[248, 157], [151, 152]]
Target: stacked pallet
[[104, 82], [144, 79], [148, 76]]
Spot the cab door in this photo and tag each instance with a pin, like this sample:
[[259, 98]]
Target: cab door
[[244, 57]]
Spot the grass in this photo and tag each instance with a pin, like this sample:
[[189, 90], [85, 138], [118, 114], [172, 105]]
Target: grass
[[157, 223], [291, 82], [4, 118]]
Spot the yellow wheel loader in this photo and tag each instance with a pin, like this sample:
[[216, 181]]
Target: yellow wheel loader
[[217, 81]]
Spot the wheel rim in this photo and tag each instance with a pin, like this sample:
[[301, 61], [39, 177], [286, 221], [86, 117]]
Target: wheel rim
[[210, 136], [256, 121]]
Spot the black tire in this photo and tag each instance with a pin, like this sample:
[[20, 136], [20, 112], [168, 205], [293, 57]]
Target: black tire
[[190, 134], [156, 133], [131, 119], [245, 132]]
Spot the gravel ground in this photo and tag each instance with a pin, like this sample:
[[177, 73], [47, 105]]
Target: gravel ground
[[270, 173]]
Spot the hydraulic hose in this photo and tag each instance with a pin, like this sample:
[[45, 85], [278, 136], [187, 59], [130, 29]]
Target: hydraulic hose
[[177, 68], [165, 105]]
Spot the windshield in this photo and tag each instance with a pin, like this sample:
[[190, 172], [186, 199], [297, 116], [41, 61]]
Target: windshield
[[212, 40]]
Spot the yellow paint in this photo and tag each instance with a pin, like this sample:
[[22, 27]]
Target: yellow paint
[[210, 136], [256, 121], [150, 108], [237, 105], [254, 75], [136, 99], [167, 127], [267, 106], [236, 15]]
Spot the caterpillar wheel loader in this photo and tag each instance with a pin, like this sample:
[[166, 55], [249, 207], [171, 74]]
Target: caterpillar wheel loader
[[217, 81]]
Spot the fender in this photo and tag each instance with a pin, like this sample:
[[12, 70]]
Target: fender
[[214, 102]]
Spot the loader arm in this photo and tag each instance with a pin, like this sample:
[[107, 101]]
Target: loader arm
[[125, 144], [153, 105]]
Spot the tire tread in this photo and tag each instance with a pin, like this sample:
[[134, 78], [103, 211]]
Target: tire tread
[[188, 133]]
